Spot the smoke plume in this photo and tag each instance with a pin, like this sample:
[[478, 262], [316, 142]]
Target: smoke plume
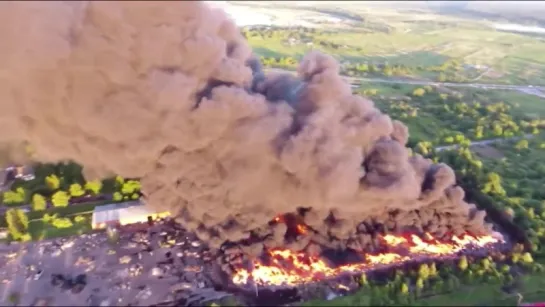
[[171, 93]]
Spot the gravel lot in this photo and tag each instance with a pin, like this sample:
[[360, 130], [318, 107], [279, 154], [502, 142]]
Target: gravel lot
[[145, 267]]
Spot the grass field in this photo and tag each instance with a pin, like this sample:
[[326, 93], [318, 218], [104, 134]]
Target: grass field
[[424, 39], [525, 104], [532, 289], [40, 230]]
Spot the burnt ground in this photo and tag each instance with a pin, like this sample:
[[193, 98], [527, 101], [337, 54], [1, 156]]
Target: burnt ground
[[161, 264]]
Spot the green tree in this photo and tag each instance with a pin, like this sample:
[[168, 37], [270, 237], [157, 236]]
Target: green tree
[[17, 222], [130, 187], [424, 147], [387, 70], [52, 181], [433, 270], [522, 144], [48, 218], [60, 199], [62, 222], [16, 197], [404, 288], [38, 202], [370, 92], [79, 219], [117, 196], [462, 264], [424, 271], [479, 132], [76, 190], [527, 258], [485, 263], [119, 180], [419, 285], [493, 185], [419, 92], [363, 280], [94, 186]]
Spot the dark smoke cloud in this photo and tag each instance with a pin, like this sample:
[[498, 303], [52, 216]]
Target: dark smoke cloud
[[170, 92]]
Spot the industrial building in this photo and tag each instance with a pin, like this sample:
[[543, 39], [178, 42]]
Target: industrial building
[[124, 214]]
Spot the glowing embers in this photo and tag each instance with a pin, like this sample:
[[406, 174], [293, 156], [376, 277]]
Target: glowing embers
[[284, 267]]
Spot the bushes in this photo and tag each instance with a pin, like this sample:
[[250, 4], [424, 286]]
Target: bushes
[[64, 211], [62, 222], [17, 197], [38, 202], [18, 224], [415, 283]]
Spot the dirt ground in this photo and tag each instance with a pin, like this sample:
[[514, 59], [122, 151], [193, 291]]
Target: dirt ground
[[487, 151]]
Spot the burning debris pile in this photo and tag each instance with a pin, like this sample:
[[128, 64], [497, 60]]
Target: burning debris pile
[[170, 92], [287, 268]]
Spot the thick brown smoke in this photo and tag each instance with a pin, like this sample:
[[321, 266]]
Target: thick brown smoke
[[170, 92]]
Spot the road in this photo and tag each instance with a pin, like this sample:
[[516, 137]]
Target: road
[[527, 89], [485, 142], [523, 88]]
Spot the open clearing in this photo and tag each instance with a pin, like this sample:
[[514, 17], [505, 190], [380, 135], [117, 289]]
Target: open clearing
[[486, 151]]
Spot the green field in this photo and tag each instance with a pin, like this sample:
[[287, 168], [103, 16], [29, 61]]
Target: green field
[[532, 289], [40, 230], [529, 105], [425, 39]]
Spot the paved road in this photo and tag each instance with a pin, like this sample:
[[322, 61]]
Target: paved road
[[528, 89], [449, 84], [485, 142]]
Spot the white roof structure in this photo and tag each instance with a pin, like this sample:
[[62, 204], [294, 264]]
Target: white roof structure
[[124, 213]]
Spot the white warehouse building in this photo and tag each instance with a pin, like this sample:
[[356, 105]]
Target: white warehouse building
[[124, 214]]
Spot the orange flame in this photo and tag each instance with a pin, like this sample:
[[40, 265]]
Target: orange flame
[[290, 268], [301, 229]]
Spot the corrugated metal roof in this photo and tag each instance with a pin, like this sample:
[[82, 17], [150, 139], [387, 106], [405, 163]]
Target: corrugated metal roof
[[118, 206], [124, 211]]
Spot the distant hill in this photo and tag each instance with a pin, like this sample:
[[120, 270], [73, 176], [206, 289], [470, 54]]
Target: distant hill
[[447, 6], [523, 12]]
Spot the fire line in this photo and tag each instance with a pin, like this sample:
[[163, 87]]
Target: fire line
[[289, 268]]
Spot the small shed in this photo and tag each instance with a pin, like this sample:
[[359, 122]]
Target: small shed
[[124, 214]]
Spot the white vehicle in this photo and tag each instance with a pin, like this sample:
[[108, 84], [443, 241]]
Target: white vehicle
[[38, 274]]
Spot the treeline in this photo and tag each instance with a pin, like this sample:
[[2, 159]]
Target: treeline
[[523, 216], [62, 182], [461, 121]]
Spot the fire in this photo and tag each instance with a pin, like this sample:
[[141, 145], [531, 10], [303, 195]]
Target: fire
[[301, 229], [290, 268]]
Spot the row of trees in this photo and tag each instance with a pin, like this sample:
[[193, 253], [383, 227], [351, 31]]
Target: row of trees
[[404, 288], [512, 184], [18, 223], [453, 120], [59, 190], [499, 187]]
